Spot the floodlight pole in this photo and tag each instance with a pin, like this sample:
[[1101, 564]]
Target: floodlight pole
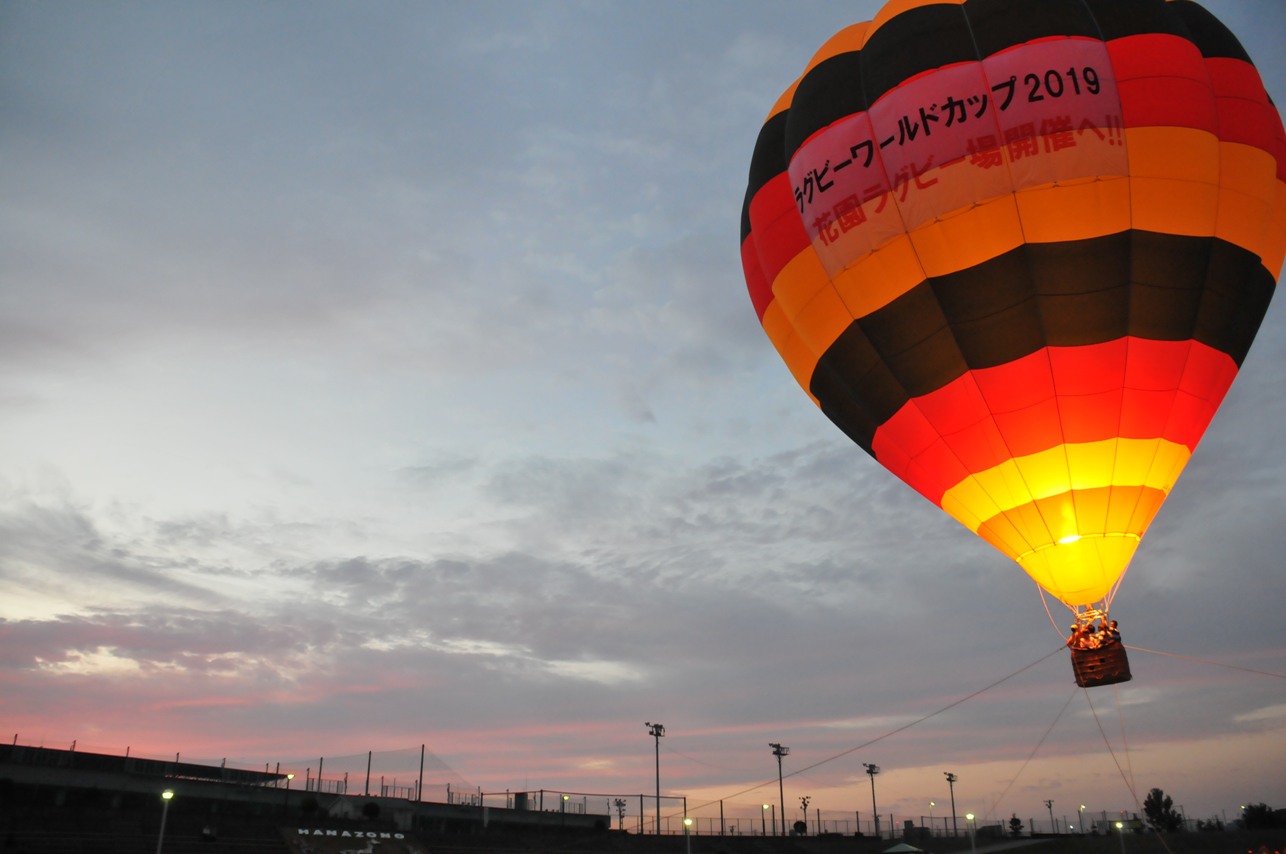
[[657, 731], [779, 751], [165, 811], [873, 770], [951, 782]]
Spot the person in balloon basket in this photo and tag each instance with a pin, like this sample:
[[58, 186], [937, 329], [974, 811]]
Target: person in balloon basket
[[1094, 637]]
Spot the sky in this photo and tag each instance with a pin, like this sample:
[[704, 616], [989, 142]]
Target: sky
[[382, 375]]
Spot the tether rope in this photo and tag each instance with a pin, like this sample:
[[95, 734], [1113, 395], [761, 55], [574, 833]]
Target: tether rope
[[1125, 744], [1128, 780], [1209, 662], [883, 736], [1126, 775], [1021, 768]]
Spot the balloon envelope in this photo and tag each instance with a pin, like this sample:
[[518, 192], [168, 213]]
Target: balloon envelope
[[1017, 250]]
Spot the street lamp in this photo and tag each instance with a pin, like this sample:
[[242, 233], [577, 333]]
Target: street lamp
[[687, 839], [763, 821], [973, 846], [1081, 816], [166, 796], [1049, 805], [1120, 831], [285, 796], [932, 804], [656, 731], [872, 770], [779, 751], [951, 781]]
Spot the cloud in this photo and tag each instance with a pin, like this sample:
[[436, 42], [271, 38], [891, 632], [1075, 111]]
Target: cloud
[[1268, 714]]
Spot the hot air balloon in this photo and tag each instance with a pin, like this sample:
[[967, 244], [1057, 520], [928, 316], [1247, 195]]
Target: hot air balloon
[[1017, 250]]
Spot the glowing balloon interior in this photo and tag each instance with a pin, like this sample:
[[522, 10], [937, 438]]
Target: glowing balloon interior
[[1017, 251]]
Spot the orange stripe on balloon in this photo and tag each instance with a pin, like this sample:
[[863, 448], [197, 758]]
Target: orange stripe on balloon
[[1053, 478]]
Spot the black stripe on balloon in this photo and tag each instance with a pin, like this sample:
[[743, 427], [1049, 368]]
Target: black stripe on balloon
[[1001, 24], [1119, 18], [937, 35], [1208, 33], [830, 90], [909, 44], [920, 40], [767, 162], [1143, 284]]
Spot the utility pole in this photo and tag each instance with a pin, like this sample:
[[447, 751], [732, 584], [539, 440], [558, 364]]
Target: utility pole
[[1049, 805], [656, 731], [872, 770], [951, 781], [779, 751]]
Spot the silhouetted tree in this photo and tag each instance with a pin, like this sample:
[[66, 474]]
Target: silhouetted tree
[[1261, 817], [1158, 809], [1015, 825]]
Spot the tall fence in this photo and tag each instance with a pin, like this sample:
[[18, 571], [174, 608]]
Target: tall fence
[[825, 822], [410, 774], [736, 820], [416, 774]]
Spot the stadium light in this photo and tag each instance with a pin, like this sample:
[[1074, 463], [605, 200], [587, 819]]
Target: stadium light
[[166, 797]]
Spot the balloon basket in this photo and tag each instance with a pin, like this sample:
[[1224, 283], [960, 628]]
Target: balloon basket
[[1106, 665]]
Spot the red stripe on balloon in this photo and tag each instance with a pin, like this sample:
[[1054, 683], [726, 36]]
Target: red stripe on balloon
[[1130, 388], [1162, 81], [1245, 114], [776, 228], [757, 284]]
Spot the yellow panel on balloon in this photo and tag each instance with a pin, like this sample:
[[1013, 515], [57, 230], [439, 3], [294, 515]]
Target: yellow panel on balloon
[[1078, 541], [1081, 570], [1154, 463]]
